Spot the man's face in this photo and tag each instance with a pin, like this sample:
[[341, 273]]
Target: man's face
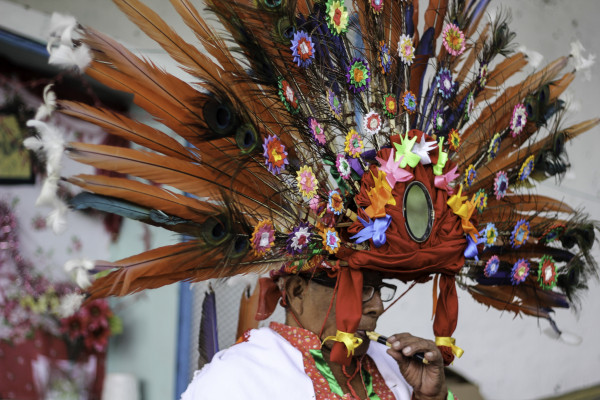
[[317, 303]]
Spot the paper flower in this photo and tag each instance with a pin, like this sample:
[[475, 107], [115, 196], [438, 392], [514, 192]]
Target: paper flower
[[385, 60], [500, 184], [275, 154], [438, 119], [307, 182], [317, 131], [393, 172], [453, 40], [491, 267], [409, 102], [331, 240], [406, 51], [335, 204], [288, 96], [390, 106], [334, 104], [519, 234], [358, 75], [343, 166], [553, 233], [372, 123], [444, 83], [302, 49], [547, 272], [470, 106], [519, 272], [526, 168], [480, 200], [482, 77], [336, 16], [263, 237], [490, 234], [353, 145], [298, 239], [314, 203], [494, 146], [518, 120], [376, 6], [454, 139], [470, 175]]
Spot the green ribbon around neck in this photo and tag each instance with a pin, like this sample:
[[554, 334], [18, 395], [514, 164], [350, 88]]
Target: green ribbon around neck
[[335, 387]]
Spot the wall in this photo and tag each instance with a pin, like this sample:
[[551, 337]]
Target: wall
[[507, 357]]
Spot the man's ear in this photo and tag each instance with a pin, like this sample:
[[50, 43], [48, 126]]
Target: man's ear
[[295, 290]]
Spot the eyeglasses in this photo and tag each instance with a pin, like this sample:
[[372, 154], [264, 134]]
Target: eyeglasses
[[386, 291]]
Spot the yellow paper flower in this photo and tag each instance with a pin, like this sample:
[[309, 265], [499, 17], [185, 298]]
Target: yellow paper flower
[[354, 144], [307, 182]]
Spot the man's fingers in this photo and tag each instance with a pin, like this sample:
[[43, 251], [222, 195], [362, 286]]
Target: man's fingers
[[410, 345]]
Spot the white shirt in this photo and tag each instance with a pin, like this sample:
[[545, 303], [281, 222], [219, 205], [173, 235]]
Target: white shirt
[[268, 367]]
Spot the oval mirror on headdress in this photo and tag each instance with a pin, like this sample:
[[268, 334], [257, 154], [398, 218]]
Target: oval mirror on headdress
[[418, 211]]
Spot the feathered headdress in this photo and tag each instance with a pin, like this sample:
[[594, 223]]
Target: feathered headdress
[[314, 136]]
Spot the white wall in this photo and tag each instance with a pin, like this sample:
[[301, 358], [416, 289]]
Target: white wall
[[507, 357]]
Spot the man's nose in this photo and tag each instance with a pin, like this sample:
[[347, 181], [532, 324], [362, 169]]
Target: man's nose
[[374, 306]]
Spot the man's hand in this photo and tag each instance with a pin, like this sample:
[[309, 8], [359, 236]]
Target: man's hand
[[428, 380]]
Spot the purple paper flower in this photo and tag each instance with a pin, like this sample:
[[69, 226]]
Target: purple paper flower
[[500, 184], [358, 75], [519, 272], [298, 239], [520, 234], [491, 267], [334, 104], [518, 120], [444, 83], [275, 154], [302, 49], [438, 119], [385, 60]]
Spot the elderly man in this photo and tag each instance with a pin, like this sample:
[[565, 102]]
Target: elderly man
[[292, 361]]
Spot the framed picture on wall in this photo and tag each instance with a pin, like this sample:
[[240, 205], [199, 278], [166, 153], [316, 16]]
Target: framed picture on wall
[[15, 160]]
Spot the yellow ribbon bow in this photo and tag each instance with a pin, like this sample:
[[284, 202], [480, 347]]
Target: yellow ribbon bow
[[449, 342], [351, 341], [464, 211]]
